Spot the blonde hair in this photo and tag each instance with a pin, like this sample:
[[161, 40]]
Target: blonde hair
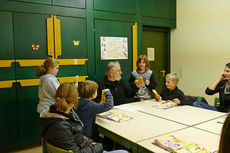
[[66, 94], [43, 69], [173, 77], [87, 88], [110, 67], [145, 59]]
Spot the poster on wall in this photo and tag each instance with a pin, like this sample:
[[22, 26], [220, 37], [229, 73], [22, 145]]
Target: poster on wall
[[114, 48]]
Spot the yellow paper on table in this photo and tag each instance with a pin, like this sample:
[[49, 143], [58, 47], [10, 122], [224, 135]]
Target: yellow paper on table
[[164, 104], [117, 117], [173, 144]]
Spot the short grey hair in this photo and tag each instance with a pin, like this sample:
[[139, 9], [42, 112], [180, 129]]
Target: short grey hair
[[173, 77], [110, 67]]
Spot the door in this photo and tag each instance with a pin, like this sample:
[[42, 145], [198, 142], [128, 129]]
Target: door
[[159, 39]]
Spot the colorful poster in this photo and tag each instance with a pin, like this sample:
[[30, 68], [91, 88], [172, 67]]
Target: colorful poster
[[114, 48]]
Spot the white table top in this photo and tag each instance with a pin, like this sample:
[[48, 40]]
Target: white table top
[[212, 126], [185, 114], [192, 135], [143, 126]]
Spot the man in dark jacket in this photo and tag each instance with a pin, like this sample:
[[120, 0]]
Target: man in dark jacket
[[116, 85]]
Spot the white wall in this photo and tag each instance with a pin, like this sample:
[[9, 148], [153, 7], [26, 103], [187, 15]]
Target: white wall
[[200, 45]]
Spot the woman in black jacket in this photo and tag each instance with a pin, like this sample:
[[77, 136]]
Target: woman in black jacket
[[61, 127], [222, 85]]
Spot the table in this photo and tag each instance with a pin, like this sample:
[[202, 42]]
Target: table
[[188, 123], [187, 115], [212, 126], [206, 139], [142, 127]]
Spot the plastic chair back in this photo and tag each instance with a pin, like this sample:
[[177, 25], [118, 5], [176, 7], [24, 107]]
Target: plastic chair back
[[53, 149]]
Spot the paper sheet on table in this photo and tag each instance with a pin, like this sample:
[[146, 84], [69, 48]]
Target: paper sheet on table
[[129, 108]]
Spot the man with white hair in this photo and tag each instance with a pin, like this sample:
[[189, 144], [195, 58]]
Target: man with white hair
[[116, 85]]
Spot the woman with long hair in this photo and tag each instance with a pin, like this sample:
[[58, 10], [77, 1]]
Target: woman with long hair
[[222, 86]]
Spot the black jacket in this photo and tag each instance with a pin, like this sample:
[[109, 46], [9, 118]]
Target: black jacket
[[172, 94], [65, 131], [118, 89], [224, 98]]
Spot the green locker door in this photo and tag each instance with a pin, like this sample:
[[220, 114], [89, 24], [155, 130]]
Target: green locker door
[[28, 29], [8, 110], [158, 39], [73, 29], [113, 29]]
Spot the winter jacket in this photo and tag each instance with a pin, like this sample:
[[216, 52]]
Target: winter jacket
[[65, 131]]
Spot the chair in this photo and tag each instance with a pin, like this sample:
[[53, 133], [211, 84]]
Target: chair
[[217, 102], [53, 149]]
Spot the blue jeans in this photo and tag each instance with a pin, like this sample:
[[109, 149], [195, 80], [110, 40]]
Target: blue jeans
[[204, 105], [116, 151]]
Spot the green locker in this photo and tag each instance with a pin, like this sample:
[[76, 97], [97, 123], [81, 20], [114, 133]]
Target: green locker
[[73, 29], [159, 8], [8, 110], [70, 3], [121, 6], [113, 29], [29, 29], [37, 1]]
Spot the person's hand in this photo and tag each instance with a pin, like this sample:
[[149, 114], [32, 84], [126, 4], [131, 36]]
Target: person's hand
[[147, 82], [104, 90], [222, 77], [176, 100], [75, 83]]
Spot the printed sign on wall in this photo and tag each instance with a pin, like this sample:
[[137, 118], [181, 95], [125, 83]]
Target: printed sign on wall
[[114, 48]]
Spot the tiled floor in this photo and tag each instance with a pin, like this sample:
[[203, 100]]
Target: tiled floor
[[36, 149]]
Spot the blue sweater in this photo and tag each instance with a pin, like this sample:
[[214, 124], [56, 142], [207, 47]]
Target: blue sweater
[[88, 109]]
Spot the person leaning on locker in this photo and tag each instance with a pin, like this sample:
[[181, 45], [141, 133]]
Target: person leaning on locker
[[116, 85], [60, 125], [146, 75], [48, 83]]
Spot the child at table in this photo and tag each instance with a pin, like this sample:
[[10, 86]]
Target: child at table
[[87, 109], [224, 145], [144, 76], [172, 92]]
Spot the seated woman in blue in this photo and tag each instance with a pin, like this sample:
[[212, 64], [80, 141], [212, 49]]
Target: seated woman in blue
[[222, 86], [60, 126]]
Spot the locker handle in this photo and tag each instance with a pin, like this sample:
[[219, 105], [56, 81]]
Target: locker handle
[[35, 82], [6, 63], [6, 84], [38, 62]]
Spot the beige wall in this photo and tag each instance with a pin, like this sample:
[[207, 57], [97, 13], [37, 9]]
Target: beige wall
[[200, 45]]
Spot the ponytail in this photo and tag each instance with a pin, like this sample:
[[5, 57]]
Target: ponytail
[[43, 69], [65, 96], [61, 104]]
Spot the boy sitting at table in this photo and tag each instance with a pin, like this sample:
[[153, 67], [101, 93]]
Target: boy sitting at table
[[172, 92], [87, 109]]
